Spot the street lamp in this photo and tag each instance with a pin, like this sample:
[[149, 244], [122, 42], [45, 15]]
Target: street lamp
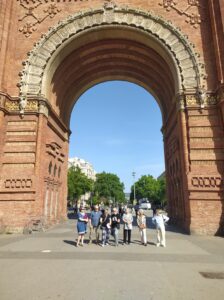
[[133, 174]]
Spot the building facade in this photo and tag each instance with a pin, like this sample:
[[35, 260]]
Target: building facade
[[84, 166], [87, 169], [53, 51]]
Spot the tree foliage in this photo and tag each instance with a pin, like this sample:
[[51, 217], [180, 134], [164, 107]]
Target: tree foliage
[[108, 187], [149, 187], [78, 183]]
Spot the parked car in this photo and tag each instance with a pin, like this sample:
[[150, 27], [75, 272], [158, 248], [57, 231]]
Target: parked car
[[145, 205]]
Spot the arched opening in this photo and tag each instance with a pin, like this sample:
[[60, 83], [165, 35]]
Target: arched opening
[[116, 128], [95, 58], [122, 53]]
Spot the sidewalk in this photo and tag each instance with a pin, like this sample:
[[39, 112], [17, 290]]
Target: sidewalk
[[48, 266]]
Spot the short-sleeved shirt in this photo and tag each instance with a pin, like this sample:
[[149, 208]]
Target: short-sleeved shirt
[[105, 221], [95, 218], [115, 221]]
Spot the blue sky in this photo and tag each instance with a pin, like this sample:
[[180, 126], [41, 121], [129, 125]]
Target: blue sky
[[116, 127]]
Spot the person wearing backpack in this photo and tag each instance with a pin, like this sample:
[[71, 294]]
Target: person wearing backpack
[[159, 221], [115, 225]]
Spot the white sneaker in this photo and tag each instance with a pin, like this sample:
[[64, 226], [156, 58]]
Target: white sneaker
[[102, 245], [158, 244]]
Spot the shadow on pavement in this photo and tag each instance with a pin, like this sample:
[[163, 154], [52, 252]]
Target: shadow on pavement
[[169, 227], [72, 243]]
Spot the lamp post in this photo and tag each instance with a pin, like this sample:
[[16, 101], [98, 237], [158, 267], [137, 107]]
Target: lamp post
[[133, 174]]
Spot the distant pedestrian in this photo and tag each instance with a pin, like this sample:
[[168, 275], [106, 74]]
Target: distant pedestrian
[[94, 223], [141, 221], [127, 219], [81, 226], [159, 220], [105, 224], [115, 225], [136, 207]]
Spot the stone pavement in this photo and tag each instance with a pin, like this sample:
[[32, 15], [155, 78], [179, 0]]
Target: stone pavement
[[48, 266]]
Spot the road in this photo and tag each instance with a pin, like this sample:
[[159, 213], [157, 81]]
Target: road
[[47, 265]]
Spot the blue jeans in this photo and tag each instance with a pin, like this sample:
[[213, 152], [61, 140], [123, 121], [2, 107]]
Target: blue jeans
[[115, 233]]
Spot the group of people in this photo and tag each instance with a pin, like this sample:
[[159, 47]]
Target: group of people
[[110, 225]]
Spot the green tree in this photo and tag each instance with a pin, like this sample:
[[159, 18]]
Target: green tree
[[108, 187], [149, 187], [162, 191], [78, 183]]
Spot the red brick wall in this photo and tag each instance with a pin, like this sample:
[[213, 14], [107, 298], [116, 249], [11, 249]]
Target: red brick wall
[[193, 137]]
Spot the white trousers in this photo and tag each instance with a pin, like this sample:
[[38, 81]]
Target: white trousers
[[161, 236], [143, 235]]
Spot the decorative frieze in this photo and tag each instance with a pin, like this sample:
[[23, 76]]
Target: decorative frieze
[[18, 183], [199, 100], [15, 105], [12, 105], [32, 105], [207, 182]]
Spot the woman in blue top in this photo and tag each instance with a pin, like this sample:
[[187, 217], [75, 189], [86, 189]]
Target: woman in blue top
[[81, 226]]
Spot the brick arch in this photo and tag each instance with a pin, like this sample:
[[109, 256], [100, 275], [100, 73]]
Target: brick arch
[[189, 72]]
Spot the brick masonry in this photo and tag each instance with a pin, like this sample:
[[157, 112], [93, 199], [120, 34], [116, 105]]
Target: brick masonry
[[172, 48]]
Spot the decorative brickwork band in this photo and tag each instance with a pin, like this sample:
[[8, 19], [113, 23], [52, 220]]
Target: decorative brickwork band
[[207, 182], [18, 183]]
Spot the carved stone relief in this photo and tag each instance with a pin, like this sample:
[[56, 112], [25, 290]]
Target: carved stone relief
[[197, 100], [15, 105], [12, 105], [30, 17], [190, 11]]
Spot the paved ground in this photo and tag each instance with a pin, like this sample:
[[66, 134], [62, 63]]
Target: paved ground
[[48, 266]]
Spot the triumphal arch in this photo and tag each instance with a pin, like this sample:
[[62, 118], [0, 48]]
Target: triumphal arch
[[54, 50]]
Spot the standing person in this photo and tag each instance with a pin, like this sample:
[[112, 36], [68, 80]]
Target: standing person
[[81, 226], [115, 225], [141, 221], [94, 222], [159, 220], [105, 222], [127, 219], [136, 207]]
